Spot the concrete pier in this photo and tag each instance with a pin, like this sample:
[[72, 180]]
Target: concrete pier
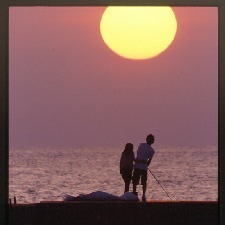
[[115, 213]]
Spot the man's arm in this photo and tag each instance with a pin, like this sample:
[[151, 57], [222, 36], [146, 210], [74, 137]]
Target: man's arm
[[149, 161]]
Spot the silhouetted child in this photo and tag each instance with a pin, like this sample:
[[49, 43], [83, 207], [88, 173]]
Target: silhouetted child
[[126, 165]]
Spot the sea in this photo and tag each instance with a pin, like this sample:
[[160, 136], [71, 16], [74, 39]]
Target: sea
[[47, 174]]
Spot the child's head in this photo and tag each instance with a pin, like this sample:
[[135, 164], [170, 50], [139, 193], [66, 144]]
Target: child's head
[[150, 139], [128, 148]]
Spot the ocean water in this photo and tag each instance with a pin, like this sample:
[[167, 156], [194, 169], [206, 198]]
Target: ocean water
[[40, 174]]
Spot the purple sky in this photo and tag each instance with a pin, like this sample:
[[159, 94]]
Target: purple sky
[[68, 89]]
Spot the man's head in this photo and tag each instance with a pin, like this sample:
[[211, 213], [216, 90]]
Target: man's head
[[150, 139]]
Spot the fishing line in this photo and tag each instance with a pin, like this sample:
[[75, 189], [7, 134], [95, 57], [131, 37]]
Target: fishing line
[[160, 184]]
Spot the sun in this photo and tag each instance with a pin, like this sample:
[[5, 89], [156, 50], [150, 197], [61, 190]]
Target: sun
[[138, 32]]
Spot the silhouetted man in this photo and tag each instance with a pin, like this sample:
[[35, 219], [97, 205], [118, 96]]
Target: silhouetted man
[[145, 154]]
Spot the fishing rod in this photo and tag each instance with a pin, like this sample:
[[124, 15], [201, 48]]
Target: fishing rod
[[160, 184]]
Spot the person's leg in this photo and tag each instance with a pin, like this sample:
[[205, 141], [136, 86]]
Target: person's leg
[[144, 183], [144, 186], [135, 179], [125, 180], [127, 185], [127, 176]]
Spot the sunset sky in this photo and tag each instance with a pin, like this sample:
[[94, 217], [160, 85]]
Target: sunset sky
[[68, 89]]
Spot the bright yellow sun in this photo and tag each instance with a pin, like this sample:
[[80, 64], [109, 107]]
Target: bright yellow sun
[[138, 32]]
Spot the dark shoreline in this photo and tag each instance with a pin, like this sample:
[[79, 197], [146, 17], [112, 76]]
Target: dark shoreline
[[115, 213]]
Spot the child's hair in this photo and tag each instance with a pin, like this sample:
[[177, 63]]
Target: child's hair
[[128, 149]]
